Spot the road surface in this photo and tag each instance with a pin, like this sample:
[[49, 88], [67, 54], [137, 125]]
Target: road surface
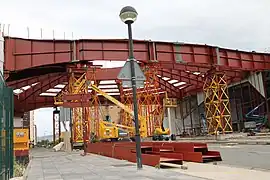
[[246, 156]]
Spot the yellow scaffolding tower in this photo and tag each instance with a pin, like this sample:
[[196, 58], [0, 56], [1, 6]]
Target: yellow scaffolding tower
[[95, 114], [76, 85], [150, 104], [217, 105], [126, 98]]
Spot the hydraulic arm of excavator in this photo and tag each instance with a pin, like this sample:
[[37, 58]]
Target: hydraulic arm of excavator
[[143, 125]]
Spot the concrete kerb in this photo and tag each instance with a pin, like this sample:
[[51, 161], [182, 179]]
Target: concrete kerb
[[240, 142], [25, 174], [265, 141], [230, 142]]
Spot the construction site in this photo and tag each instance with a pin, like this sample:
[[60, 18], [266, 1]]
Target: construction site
[[190, 90], [187, 97]]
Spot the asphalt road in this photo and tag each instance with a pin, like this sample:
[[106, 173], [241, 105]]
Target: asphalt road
[[247, 156]]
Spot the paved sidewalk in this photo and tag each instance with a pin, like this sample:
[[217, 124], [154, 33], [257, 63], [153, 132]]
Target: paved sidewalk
[[63, 166], [231, 141], [236, 138], [222, 172]]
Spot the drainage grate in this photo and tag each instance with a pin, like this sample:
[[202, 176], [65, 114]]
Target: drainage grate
[[122, 165]]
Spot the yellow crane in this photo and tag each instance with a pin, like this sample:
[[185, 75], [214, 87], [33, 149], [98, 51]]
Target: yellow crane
[[112, 130]]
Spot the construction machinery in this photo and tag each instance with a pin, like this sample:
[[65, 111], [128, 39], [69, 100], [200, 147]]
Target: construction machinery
[[108, 130], [159, 133], [113, 131], [88, 124], [254, 121]]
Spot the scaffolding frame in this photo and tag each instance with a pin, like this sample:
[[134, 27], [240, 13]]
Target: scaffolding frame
[[80, 120], [126, 98], [217, 104], [94, 110], [150, 104]]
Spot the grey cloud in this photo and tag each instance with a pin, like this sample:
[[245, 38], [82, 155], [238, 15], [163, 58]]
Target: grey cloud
[[241, 24]]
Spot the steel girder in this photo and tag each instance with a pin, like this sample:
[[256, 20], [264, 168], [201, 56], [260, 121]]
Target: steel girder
[[30, 99], [176, 61], [41, 87], [45, 82], [18, 84], [29, 53]]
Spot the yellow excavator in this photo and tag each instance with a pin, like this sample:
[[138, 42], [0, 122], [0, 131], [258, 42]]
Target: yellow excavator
[[109, 130]]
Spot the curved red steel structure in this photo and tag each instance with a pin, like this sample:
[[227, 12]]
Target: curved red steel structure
[[42, 64]]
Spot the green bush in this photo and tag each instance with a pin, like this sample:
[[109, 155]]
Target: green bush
[[19, 169]]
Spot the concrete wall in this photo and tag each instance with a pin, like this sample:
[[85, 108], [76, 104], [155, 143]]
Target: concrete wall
[[185, 116], [18, 122], [32, 127], [112, 111], [256, 80]]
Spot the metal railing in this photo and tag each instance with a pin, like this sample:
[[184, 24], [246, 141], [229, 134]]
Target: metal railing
[[6, 130]]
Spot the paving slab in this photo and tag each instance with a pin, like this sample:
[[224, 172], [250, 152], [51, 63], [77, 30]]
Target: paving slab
[[238, 138], [221, 172], [245, 156], [46, 165]]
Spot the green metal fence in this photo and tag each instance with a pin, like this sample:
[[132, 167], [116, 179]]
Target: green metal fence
[[6, 130]]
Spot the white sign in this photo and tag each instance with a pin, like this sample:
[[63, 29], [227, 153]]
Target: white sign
[[139, 84], [125, 75]]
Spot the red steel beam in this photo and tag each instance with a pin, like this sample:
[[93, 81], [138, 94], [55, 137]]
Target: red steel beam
[[183, 76], [78, 97], [169, 88], [46, 101], [27, 53], [172, 90], [112, 73], [190, 79], [37, 102], [42, 87], [31, 80]]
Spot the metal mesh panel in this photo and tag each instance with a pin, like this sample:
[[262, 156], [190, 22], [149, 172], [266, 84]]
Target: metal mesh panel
[[6, 130]]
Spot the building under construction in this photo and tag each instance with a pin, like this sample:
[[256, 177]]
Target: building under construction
[[189, 90]]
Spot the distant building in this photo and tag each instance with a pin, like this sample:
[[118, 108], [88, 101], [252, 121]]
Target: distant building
[[32, 128], [35, 133], [18, 122], [26, 120]]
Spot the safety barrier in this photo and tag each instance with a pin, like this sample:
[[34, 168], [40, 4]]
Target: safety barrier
[[6, 130]]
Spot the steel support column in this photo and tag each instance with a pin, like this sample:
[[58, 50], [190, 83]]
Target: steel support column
[[217, 103], [56, 126], [150, 104]]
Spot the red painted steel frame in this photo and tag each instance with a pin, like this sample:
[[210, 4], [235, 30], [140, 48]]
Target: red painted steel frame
[[48, 81], [176, 61], [126, 151], [156, 152], [29, 53]]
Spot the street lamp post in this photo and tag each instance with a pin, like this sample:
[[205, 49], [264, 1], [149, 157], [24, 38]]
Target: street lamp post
[[129, 15]]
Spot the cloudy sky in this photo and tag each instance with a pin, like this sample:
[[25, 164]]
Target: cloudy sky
[[238, 24]]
